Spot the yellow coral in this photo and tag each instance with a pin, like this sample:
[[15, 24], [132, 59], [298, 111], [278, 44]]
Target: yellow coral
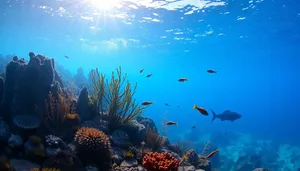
[[72, 116], [128, 154]]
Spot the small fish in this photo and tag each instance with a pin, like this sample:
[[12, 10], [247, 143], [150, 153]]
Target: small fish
[[167, 104], [143, 143], [141, 70], [210, 155], [177, 105], [66, 56], [193, 127], [147, 103], [211, 71], [201, 110], [149, 75], [172, 123], [183, 79]]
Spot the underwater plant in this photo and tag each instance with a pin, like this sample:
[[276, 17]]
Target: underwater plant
[[113, 99], [160, 162], [59, 115], [153, 139]]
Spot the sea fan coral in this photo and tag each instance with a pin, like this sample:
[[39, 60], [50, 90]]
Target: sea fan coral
[[26, 121], [114, 99], [160, 162]]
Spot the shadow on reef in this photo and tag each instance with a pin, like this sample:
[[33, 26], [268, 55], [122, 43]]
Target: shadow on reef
[[45, 126]]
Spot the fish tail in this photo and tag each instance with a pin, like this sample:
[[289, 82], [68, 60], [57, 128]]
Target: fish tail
[[176, 123], [214, 115], [187, 79], [152, 103], [195, 106]]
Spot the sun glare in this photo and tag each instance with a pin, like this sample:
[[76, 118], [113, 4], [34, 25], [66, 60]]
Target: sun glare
[[104, 5]]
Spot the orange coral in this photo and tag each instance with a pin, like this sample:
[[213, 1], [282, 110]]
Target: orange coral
[[160, 162], [72, 116], [72, 119]]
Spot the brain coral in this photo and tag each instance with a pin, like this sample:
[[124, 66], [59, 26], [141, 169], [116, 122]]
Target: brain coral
[[160, 162]]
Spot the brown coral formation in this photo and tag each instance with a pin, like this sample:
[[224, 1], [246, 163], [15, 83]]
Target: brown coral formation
[[93, 145], [160, 162], [91, 139]]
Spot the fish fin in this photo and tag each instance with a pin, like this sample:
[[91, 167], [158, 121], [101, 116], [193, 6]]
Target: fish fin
[[214, 115], [195, 106]]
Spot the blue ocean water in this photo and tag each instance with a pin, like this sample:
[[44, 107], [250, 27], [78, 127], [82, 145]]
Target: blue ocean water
[[253, 45]]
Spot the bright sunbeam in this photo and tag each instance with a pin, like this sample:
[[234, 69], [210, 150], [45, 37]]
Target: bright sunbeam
[[105, 5]]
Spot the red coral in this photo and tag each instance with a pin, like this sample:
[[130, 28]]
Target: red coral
[[160, 162]]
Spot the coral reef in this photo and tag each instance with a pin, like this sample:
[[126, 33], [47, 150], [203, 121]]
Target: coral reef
[[160, 162], [47, 125]]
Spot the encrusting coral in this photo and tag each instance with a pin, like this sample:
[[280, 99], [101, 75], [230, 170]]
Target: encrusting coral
[[114, 100], [160, 162], [93, 144]]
